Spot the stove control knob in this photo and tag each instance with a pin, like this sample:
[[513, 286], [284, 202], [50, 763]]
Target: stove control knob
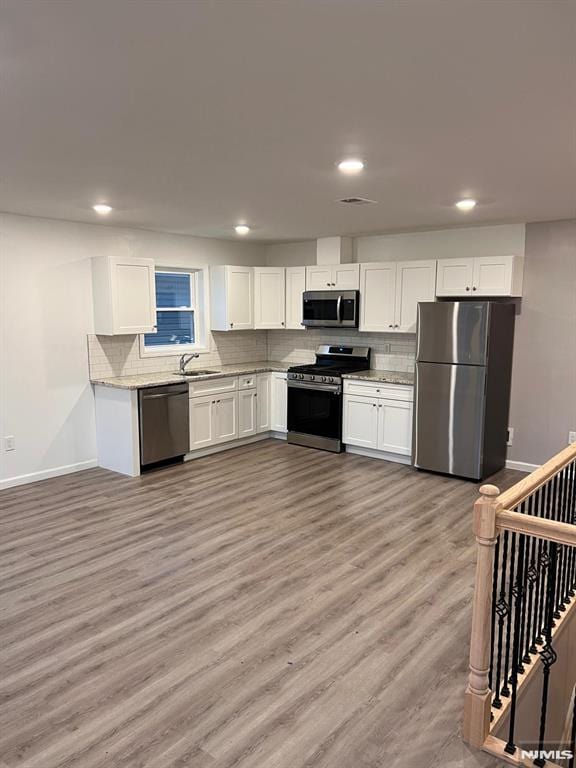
[[300, 375], [331, 379], [323, 378], [312, 378]]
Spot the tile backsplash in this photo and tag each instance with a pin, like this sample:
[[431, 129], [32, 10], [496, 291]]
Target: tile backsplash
[[120, 355], [390, 352]]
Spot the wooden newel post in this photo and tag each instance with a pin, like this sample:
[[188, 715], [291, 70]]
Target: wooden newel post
[[478, 698]]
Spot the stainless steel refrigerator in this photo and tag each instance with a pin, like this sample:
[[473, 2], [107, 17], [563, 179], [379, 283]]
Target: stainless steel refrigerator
[[462, 387]]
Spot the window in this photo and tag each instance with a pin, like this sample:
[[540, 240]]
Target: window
[[178, 315]]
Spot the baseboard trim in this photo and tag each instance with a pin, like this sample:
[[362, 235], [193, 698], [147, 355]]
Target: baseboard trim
[[46, 474], [382, 455], [231, 444], [521, 466]]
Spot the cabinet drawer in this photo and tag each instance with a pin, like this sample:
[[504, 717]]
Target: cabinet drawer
[[213, 386], [375, 389], [247, 382]]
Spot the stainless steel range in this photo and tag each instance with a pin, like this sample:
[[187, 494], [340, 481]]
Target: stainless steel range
[[315, 396]]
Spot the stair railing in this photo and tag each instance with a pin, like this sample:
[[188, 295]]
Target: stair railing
[[525, 595]]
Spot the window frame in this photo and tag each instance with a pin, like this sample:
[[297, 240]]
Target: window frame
[[198, 307]]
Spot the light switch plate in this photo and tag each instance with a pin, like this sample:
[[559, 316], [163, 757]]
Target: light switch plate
[[571, 437], [510, 436], [9, 443]]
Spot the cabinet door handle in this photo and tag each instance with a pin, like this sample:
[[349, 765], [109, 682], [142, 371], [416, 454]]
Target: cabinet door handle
[[282, 323], [328, 284], [373, 405], [467, 287], [473, 287], [379, 405], [232, 324], [396, 326], [390, 326]]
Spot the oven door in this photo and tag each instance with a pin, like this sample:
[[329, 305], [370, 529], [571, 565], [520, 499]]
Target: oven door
[[326, 309], [315, 415]]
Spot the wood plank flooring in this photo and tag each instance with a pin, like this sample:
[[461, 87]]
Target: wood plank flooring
[[271, 606]]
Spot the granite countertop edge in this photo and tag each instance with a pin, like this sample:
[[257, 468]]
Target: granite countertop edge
[[160, 379], [384, 377]]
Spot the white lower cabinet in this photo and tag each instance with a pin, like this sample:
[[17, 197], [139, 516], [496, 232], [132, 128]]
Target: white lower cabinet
[[360, 425], [226, 417], [247, 407], [279, 402], [263, 381], [213, 419], [395, 427], [202, 421], [378, 417]]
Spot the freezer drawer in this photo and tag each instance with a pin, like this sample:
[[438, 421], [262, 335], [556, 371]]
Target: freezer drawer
[[453, 332], [449, 419], [164, 418]]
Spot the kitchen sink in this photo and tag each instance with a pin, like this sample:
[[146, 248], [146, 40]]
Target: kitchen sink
[[195, 373]]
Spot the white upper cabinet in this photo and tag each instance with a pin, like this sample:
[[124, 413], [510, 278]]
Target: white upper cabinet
[[377, 296], [318, 278], [390, 292], [269, 297], [231, 298], [346, 277], [124, 295], [415, 281], [481, 276], [295, 287], [454, 277], [333, 277]]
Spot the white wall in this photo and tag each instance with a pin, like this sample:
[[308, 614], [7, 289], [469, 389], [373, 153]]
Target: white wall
[[46, 399], [291, 254], [442, 244], [436, 244]]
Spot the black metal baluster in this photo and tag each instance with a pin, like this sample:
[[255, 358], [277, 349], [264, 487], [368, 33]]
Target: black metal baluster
[[521, 588], [539, 576], [502, 610], [505, 690], [543, 565], [510, 747], [531, 577], [547, 654]]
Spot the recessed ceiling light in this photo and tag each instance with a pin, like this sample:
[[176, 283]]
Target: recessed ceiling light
[[102, 209], [350, 166], [242, 229], [465, 205]]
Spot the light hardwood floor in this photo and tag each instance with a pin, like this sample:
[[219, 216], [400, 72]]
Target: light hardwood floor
[[271, 606]]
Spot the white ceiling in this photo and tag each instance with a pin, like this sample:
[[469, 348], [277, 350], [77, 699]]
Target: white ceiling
[[191, 116]]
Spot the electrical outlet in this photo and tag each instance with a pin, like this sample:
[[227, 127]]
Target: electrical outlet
[[510, 439], [571, 437], [9, 443]]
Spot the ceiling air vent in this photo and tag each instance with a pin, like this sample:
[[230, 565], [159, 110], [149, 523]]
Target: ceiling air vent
[[357, 201]]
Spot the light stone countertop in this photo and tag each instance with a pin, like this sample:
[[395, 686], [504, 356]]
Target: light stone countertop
[[385, 377], [220, 371], [166, 377]]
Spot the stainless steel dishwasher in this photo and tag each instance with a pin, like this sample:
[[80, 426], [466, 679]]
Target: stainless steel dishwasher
[[164, 431]]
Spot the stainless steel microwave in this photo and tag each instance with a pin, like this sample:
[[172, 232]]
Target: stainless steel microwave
[[330, 309]]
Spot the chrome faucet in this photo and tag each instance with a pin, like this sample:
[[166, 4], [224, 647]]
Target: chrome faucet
[[185, 359]]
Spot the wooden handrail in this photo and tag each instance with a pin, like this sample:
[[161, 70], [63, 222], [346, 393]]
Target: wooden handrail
[[528, 485], [551, 530], [494, 512]]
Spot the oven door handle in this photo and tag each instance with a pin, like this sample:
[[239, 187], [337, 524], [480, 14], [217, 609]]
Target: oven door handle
[[333, 388], [339, 309]]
